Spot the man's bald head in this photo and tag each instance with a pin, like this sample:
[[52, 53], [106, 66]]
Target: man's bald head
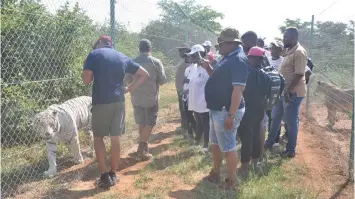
[[249, 40], [290, 37]]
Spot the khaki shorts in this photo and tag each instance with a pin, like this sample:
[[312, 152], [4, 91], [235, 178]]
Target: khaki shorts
[[146, 116], [108, 119]]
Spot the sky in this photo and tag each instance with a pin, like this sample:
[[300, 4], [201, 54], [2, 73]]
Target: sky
[[263, 17]]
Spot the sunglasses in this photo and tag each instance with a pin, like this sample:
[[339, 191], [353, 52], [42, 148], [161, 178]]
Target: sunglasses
[[223, 43]]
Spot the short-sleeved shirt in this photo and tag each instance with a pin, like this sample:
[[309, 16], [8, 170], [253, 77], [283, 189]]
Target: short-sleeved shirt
[[275, 62], [109, 67], [198, 78], [147, 94], [179, 76], [185, 89], [295, 62], [230, 70]]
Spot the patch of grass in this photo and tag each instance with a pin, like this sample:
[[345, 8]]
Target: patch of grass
[[179, 143], [276, 184], [169, 96], [152, 195], [109, 195], [143, 179], [189, 162]]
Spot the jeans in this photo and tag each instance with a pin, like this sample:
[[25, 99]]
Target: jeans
[[225, 140], [290, 113], [182, 113], [277, 139], [202, 127]]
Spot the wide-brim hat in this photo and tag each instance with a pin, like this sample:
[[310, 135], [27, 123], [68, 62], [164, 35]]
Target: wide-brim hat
[[184, 46], [230, 35]]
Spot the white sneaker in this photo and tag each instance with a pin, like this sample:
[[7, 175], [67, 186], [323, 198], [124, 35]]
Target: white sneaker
[[205, 149], [276, 145]]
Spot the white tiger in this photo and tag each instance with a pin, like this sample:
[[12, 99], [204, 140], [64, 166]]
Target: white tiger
[[61, 123]]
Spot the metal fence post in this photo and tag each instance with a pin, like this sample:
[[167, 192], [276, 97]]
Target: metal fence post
[[112, 20], [310, 56], [351, 158]]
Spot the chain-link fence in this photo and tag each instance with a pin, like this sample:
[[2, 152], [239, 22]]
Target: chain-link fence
[[43, 45], [329, 102]]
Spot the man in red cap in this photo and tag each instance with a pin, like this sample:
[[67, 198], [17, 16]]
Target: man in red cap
[[106, 67]]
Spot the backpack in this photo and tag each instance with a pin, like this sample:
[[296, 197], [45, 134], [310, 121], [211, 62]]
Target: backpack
[[273, 83], [310, 63]]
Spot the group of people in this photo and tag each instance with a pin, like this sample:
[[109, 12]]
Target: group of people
[[221, 98], [224, 98]]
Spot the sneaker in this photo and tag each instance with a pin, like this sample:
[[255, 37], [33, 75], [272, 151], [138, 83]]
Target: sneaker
[[104, 181], [229, 185], [114, 178], [267, 147], [143, 154], [205, 149], [275, 145], [213, 177]]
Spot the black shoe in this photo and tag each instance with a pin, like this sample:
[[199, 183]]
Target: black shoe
[[104, 181], [288, 154], [267, 147], [114, 178]]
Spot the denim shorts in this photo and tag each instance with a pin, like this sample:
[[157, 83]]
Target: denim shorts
[[226, 140]]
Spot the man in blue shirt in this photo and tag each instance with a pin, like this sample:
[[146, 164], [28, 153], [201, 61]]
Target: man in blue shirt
[[224, 97], [107, 67]]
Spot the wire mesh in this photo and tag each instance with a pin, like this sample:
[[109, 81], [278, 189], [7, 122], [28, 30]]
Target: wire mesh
[[332, 87], [43, 47]]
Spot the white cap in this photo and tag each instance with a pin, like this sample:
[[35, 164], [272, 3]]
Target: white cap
[[207, 43], [196, 48]]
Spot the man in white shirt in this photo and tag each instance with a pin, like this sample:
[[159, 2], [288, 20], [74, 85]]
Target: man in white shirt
[[198, 77]]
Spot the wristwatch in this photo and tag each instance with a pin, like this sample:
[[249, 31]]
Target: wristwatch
[[232, 116]]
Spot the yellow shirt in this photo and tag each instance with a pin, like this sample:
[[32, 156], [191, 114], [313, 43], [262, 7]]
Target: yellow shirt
[[295, 62]]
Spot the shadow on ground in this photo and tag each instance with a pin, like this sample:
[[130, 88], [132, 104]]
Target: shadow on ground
[[207, 190]]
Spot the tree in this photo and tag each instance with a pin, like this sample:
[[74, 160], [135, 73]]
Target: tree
[[202, 16], [175, 27]]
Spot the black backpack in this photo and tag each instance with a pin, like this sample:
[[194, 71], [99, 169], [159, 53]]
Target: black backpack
[[273, 83], [310, 63]]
